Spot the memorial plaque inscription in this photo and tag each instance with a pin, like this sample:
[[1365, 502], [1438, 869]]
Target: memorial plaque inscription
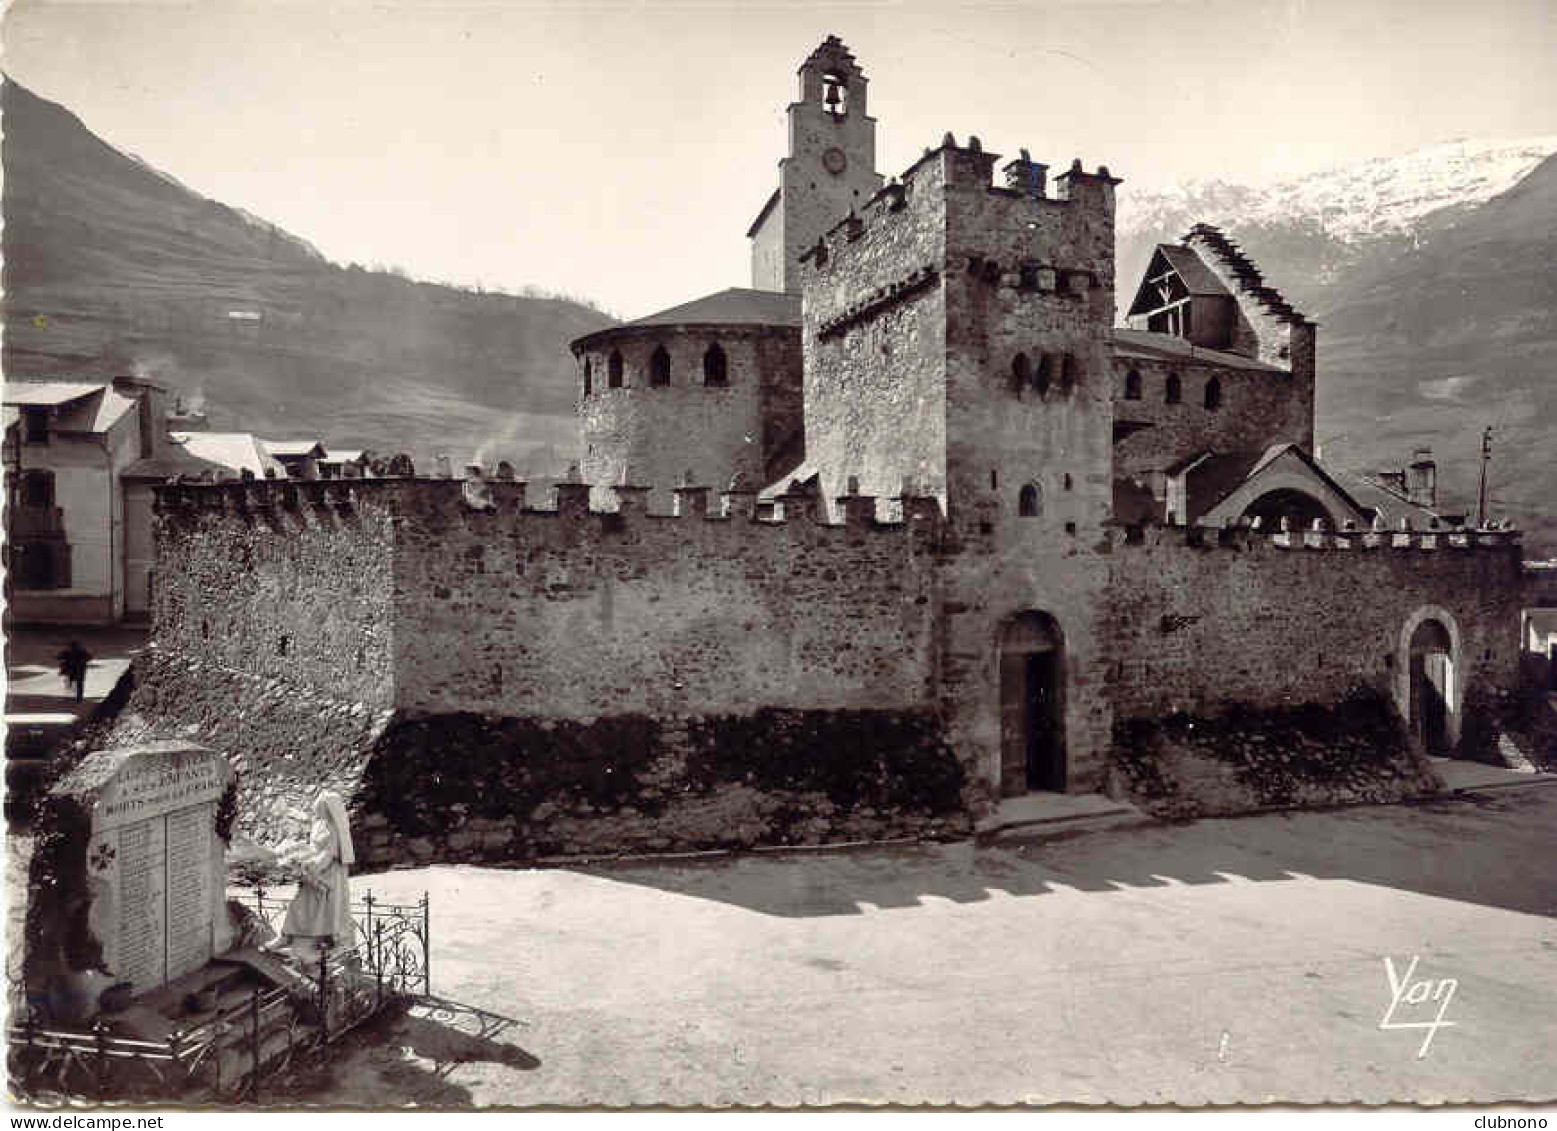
[[155, 867]]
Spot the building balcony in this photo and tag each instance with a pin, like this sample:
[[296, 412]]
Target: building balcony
[[37, 522]]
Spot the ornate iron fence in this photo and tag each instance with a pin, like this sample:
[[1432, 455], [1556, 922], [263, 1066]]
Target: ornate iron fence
[[227, 1056]]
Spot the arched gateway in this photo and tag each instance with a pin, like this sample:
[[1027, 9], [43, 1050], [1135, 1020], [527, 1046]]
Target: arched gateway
[[1032, 704], [1432, 687]]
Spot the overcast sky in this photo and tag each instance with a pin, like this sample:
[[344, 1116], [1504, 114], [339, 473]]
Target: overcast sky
[[618, 151]]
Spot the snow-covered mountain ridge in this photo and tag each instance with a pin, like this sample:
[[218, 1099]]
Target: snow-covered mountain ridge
[[1382, 196]]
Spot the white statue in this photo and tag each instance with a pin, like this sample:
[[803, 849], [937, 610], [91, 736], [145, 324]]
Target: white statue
[[322, 907]]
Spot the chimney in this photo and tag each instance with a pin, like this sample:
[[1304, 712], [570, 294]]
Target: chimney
[[1422, 479], [151, 396], [1027, 176]]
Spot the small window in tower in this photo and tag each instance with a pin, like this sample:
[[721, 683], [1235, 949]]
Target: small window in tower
[[1069, 482], [1044, 376], [38, 489], [1068, 373], [1175, 390], [835, 95], [1213, 394], [659, 367], [716, 369], [1029, 502], [614, 369], [1021, 373], [1133, 385], [589, 380], [35, 424]]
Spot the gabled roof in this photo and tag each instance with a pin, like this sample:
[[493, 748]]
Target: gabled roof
[[1198, 279], [82, 406], [233, 450], [1148, 346], [801, 476], [51, 393], [1380, 498], [283, 449], [737, 306], [108, 410], [763, 215], [1212, 478]]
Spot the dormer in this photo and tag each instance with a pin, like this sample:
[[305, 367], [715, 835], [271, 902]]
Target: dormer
[[1181, 296]]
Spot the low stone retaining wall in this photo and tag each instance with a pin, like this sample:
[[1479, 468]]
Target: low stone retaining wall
[[473, 788], [1246, 760]]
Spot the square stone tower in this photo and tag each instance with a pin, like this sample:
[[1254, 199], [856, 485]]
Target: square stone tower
[[957, 339]]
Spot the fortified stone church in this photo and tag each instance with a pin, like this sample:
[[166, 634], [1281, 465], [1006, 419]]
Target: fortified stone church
[[971, 539]]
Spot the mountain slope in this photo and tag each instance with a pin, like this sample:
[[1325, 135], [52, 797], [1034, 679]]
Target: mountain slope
[[1431, 276], [111, 266], [1454, 334]]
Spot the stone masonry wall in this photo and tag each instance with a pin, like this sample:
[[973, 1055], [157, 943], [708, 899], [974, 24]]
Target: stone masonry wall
[[658, 434], [577, 614], [1033, 276], [1259, 408], [875, 343], [1251, 672], [285, 736], [280, 580], [1242, 619], [569, 681]]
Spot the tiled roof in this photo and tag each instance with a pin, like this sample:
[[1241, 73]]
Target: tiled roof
[[1379, 497], [279, 448], [51, 393], [738, 306], [763, 214], [111, 406], [235, 450], [84, 406], [1155, 347]]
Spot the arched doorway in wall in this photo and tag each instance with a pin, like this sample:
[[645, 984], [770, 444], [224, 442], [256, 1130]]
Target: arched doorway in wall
[[1032, 704], [1432, 687], [1298, 508]]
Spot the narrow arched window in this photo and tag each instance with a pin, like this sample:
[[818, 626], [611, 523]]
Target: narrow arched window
[[716, 369], [1175, 391], [1021, 373], [1044, 376], [1069, 371], [614, 369], [589, 378], [1029, 501], [1213, 394], [659, 367], [1133, 385]]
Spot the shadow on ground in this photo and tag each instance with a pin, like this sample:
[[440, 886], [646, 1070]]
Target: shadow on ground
[[1441, 847], [410, 1056]]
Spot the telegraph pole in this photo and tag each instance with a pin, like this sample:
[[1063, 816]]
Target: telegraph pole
[[1486, 458]]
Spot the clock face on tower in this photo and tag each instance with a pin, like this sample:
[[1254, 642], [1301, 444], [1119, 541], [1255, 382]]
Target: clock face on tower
[[835, 161]]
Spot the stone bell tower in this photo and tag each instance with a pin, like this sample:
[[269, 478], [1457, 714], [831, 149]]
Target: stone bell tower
[[830, 169]]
